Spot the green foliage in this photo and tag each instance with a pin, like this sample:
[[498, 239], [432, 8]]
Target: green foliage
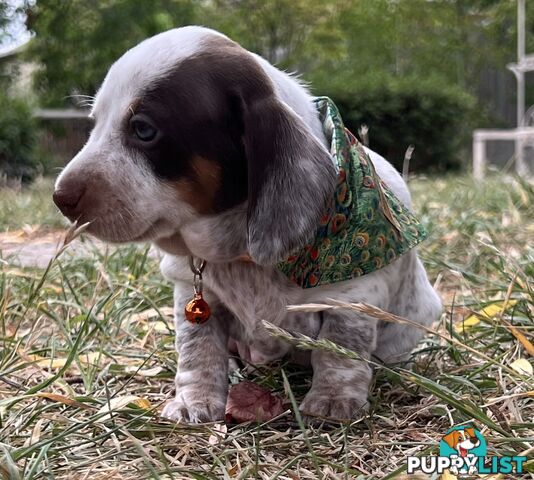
[[333, 44], [333, 41], [298, 35], [5, 11], [432, 116], [18, 138]]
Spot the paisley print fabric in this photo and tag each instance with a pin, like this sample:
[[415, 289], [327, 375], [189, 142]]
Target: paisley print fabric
[[364, 228]]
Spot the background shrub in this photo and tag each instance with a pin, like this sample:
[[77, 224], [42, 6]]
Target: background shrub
[[18, 139], [436, 118]]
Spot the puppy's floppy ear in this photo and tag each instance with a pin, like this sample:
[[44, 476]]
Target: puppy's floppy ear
[[291, 177], [452, 438]]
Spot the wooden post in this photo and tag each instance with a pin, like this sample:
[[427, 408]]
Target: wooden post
[[479, 156], [520, 164]]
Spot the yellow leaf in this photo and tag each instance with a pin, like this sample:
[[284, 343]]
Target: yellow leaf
[[51, 363], [119, 403], [151, 313], [88, 358], [470, 321], [159, 327], [527, 344], [522, 366], [446, 475], [143, 403], [488, 312], [154, 325], [143, 372]]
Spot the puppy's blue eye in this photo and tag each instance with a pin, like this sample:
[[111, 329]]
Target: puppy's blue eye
[[142, 129]]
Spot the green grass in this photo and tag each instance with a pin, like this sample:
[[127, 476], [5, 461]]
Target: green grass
[[90, 330], [29, 206]]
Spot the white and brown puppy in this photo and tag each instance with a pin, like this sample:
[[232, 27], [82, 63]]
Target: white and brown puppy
[[207, 150]]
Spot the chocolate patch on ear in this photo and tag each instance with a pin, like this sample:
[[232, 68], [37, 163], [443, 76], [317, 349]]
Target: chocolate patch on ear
[[451, 439], [196, 108], [470, 431], [200, 186]]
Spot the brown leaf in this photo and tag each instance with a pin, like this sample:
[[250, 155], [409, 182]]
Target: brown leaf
[[249, 402], [54, 397]]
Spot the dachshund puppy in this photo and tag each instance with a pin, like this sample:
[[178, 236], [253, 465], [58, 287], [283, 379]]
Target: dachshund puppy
[[210, 152]]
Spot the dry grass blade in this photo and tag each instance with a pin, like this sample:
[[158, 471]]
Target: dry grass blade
[[380, 314], [102, 314], [300, 340]]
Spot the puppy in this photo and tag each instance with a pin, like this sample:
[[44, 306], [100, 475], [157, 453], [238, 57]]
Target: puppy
[[210, 152]]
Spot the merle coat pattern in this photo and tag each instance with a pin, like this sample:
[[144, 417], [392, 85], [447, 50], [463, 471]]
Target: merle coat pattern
[[206, 149]]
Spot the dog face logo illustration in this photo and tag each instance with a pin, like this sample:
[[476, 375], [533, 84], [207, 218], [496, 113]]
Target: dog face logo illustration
[[462, 440]]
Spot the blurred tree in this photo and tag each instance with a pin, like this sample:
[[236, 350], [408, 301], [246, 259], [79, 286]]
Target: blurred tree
[[4, 20], [328, 41], [76, 41], [295, 34], [18, 133], [448, 38], [336, 45]]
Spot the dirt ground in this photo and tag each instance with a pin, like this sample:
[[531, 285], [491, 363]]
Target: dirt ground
[[33, 247]]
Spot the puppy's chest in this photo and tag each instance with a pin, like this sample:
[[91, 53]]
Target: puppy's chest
[[252, 293]]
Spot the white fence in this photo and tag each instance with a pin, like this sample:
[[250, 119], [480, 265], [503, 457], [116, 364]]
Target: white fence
[[521, 136]]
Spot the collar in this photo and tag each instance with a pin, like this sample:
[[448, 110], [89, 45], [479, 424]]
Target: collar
[[365, 226]]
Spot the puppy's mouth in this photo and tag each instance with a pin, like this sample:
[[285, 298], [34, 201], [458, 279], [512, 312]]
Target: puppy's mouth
[[152, 232], [125, 230]]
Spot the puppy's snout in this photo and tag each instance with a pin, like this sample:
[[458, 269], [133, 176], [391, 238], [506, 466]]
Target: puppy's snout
[[67, 198]]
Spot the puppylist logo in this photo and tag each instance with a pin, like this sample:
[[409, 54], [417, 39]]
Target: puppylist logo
[[463, 450]]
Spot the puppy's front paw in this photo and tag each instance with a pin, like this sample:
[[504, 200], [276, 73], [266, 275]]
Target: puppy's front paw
[[194, 411], [328, 405]]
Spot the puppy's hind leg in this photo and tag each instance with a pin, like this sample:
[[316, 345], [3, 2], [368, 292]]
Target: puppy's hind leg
[[415, 300]]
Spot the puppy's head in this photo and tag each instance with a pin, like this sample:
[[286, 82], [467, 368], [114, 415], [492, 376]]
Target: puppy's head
[[187, 123], [464, 439]]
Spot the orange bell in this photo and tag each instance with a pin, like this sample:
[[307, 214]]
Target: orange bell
[[197, 310]]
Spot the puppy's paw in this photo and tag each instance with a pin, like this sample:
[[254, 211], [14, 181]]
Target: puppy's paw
[[197, 411], [326, 405]]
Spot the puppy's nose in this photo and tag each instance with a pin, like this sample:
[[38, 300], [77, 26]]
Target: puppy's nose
[[68, 200]]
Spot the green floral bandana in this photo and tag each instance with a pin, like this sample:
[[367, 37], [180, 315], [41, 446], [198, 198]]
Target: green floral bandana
[[365, 226]]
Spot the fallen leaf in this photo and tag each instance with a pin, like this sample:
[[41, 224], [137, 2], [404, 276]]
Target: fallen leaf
[[54, 397], [488, 312], [522, 366], [446, 475], [158, 326], [143, 372], [249, 402], [527, 344], [88, 358], [119, 403], [219, 434], [233, 471]]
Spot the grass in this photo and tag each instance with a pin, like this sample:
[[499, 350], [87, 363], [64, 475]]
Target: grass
[[29, 206], [87, 360]]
